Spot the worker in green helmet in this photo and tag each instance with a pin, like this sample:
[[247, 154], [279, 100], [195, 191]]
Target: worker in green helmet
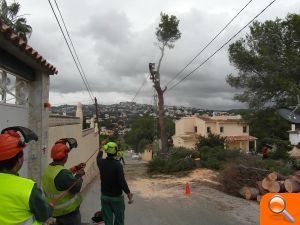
[[113, 183]]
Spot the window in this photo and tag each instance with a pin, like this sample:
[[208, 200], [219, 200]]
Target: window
[[208, 130], [13, 89], [221, 129], [195, 129], [244, 129]]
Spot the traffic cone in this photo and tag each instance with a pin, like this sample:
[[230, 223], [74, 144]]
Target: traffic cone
[[187, 189]]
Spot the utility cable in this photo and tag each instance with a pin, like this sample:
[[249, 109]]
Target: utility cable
[[74, 50], [176, 84], [140, 88], [85, 83], [208, 44]]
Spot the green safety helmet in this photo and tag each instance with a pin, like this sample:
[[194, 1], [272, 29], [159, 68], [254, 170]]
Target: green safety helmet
[[110, 148]]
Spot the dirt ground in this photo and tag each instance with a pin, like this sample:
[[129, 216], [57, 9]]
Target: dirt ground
[[161, 200]]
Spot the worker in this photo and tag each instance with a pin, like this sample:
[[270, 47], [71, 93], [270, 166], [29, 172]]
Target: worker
[[21, 200], [265, 151], [113, 183], [62, 186], [120, 155]]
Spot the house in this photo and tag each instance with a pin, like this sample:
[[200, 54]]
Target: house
[[24, 95], [233, 128], [294, 138]]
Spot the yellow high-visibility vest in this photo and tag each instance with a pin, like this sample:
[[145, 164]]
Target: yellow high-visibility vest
[[68, 203], [15, 194]]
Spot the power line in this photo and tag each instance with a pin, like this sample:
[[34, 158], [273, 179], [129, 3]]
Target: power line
[[176, 84], [73, 46], [140, 88], [208, 44], [82, 77]]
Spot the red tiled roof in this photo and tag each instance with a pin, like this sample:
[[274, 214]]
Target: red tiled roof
[[239, 138], [8, 33]]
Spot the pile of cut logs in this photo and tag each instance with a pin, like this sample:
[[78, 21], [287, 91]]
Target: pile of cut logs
[[273, 183]]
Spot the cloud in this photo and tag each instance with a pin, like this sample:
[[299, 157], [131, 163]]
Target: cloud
[[115, 42]]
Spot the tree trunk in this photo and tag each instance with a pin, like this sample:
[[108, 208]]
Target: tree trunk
[[266, 183], [291, 186], [249, 193], [161, 113], [277, 187], [275, 176], [259, 186]]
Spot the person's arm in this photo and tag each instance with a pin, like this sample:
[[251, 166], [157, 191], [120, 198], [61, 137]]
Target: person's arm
[[38, 205], [121, 179], [65, 179], [99, 157]]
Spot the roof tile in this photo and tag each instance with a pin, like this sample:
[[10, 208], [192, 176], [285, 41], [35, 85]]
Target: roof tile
[[16, 40]]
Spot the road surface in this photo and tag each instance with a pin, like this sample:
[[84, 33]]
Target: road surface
[[161, 201]]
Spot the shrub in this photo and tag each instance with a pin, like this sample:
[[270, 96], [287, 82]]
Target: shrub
[[212, 140], [280, 150], [179, 159], [216, 157]]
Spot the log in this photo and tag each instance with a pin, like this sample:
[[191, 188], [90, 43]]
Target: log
[[296, 178], [275, 176], [260, 188], [277, 187], [259, 197], [291, 186], [249, 193], [266, 183]]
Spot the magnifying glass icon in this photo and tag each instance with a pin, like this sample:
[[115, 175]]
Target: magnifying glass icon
[[277, 205]]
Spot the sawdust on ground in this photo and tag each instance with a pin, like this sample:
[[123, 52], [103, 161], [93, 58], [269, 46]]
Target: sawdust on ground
[[203, 184]]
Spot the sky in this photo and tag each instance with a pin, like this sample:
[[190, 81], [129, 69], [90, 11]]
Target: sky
[[115, 41]]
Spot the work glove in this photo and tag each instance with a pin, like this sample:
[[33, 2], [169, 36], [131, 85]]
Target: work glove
[[80, 166], [80, 173]]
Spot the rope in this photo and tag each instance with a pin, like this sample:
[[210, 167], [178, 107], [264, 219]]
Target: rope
[[71, 186]]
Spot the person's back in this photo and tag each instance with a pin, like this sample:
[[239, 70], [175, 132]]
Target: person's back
[[113, 184], [21, 200], [111, 171]]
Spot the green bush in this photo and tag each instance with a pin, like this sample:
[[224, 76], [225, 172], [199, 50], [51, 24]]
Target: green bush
[[212, 140], [280, 148], [216, 157], [179, 159]]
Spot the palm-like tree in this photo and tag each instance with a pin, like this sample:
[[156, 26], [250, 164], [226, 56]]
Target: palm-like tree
[[9, 15]]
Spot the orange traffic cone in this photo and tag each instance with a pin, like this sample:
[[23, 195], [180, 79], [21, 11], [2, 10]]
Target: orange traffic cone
[[187, 189]]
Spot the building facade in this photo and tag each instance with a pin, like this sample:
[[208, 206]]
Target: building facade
[[24, 95], [232, 128]]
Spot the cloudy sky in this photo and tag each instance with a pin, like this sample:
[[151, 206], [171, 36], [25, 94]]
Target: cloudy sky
[[115, 42]]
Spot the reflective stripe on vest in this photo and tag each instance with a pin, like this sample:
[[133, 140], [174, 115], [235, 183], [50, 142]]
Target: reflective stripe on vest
[[30, 221], [66, 204]]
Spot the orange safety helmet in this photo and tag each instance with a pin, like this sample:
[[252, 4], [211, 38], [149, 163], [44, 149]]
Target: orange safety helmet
[[10, 144], [59, 150]]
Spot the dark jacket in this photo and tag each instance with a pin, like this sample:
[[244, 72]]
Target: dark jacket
[[113, 182]]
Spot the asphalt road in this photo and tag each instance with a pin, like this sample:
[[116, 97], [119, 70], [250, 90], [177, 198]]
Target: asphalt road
[[206, 206]]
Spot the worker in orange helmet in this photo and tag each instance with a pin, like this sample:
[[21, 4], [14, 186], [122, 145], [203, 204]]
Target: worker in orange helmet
[[62, 186], [21, 200]]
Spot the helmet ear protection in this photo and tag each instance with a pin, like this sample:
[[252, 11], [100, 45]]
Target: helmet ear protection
[[72, 142], [27, 134]]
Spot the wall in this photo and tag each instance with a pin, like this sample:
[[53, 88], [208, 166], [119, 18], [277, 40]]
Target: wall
[[15, 115], [87, 145], [201, 129], [147, 155], [233, 129], [294, 138]]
